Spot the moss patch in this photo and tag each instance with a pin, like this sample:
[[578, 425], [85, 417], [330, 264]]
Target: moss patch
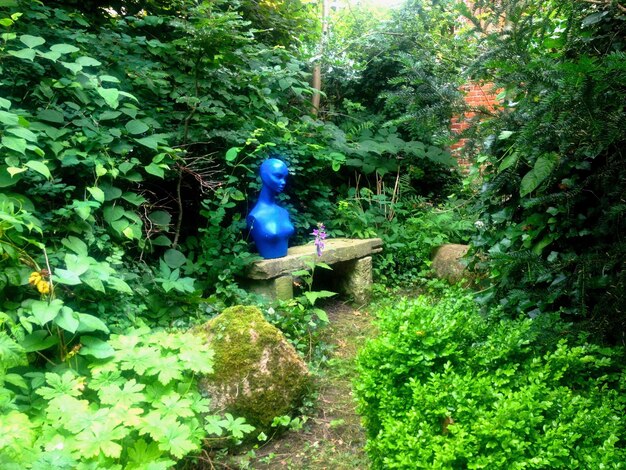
[[257, 373]]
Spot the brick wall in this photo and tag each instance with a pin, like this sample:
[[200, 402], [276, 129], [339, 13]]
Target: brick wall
[[477, 96]]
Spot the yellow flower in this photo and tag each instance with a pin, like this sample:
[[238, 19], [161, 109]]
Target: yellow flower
[[43, 286], [34, 278]]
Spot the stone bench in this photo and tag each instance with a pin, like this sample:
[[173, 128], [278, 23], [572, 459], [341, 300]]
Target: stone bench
[[351, 260]]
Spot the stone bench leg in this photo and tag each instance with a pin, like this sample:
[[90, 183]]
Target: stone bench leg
[[356, 279], [279, 288]]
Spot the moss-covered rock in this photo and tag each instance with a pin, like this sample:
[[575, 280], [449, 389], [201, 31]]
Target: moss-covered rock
[[257, 375]]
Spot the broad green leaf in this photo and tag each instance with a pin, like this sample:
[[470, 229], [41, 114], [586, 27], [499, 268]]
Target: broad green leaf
[[162, 240], [155, 170], [64, 48], [108, 78], [314, 295], [508, 161], [89, 323], [72, 67], [107, 115], [161, 218], [44, 311], [4, 103], [88, 61], [96, 193], [68, 320], [77, 264], [32, 41], [76, 245], [6, 179], [110, 95], [542, 169], [16, 171], [95, 347], [505, 135], [10, 119], [113, 213], [14, 143], [119, 285], [38, 341], [22, 132], [63, 276], [51, 115], [151, 142], [39, 167], [232, 153], [174, 258], [594, 18], [28, 54], [134, 198], [136, 127]]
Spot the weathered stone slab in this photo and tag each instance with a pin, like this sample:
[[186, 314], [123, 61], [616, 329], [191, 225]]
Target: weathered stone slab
[[335, 251], [357, 279]]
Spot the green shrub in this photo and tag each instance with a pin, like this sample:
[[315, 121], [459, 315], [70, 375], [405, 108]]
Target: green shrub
[[444, 387], [132, 401]]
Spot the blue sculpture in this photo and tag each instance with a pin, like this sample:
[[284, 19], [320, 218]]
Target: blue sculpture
[[269, 223]]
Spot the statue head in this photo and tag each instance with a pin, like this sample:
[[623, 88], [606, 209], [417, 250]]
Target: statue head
[[274, 174]]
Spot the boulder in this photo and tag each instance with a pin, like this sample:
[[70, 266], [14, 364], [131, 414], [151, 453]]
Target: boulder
[[257, 375], [447, 262]]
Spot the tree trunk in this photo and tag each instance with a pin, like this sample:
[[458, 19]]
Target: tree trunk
[[317, 68]]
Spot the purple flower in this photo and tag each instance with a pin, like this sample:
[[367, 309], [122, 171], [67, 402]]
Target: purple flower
[[320, 234]]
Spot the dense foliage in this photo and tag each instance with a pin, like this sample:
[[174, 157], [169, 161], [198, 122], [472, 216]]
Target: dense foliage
[[552, 204], [131, 135], [444, 387]]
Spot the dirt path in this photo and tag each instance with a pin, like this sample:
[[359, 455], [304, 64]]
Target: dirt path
[[332, 438]]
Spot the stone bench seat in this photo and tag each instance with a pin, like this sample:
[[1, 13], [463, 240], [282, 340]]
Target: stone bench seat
[[351, 260]]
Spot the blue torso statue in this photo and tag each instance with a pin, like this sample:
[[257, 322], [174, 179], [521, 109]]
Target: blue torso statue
[[269, 223]]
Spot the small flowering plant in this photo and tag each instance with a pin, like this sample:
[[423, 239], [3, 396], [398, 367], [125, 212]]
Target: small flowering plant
[[320, 235]]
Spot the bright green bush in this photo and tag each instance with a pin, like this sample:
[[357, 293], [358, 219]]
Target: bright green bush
[[132, 401], [444, 387]]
